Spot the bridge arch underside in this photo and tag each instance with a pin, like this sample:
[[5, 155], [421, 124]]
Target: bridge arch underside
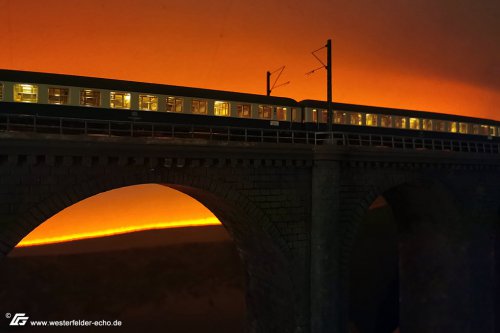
[[446, 239], [271, 298]]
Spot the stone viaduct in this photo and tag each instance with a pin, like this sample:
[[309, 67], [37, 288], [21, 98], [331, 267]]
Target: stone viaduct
[[293, 211]]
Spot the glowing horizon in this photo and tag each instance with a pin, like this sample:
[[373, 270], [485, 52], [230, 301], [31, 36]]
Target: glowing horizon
[[119, 211], [119, 231]]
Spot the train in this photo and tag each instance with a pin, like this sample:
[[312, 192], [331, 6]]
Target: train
[[45, 94]]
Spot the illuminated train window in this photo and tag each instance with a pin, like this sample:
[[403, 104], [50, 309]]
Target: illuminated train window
[[400, 122], [1, 91], [452, 127], [119, 100], [148, 103], [440, 125], [324, 116], [244, 110], [385, 121], [445, 126], [492, 131], [199, 106], [296, 115], [463, 128], [427, 124], [371, 119], [338, 117], [265, 111], [414, 123], [484, 130], [90, 97], [174, 104], [355, 119], [281, 113], [58, 96], [27, 93], [221, 108]]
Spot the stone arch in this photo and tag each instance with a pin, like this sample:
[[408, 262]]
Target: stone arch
[[445, 245], [352, 219], [269, 286], [386, 186]]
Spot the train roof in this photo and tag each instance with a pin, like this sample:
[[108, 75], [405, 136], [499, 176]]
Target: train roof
[[394, 111], [133, 86]]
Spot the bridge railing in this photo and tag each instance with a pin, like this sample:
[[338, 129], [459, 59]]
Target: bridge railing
[[408, 142], [115, 128]]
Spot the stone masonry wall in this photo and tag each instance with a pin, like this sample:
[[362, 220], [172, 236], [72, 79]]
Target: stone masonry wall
[[263, 202]]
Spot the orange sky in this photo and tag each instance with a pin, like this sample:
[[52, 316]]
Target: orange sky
[[441, 56], [132, 208], [432, 55]]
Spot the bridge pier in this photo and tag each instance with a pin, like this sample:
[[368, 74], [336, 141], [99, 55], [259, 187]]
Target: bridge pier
[[327, 304], [446, 260], [448, 225]]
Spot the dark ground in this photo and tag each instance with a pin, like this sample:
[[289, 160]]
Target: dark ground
[[374, 294], [176, 280], [173, 288]]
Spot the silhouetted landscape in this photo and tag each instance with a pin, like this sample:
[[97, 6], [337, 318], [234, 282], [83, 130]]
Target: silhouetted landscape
[[192, 282], [179, 280]]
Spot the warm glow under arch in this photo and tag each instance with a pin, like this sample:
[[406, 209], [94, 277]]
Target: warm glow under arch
[[123, 210]]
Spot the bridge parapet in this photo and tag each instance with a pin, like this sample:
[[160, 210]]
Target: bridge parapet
[[66, 126]]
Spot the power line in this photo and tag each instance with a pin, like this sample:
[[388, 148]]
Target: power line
[[317, 58], [270, 88], [328, 67]]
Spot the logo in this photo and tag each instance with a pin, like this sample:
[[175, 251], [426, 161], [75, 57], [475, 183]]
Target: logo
[[19, 319]]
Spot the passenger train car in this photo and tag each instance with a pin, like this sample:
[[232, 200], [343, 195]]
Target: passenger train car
[[95, 98]]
